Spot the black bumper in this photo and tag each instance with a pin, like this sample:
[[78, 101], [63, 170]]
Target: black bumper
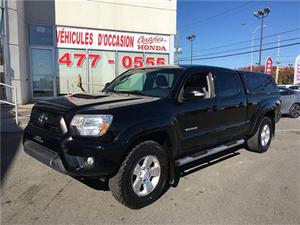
[[68, 155], [44, 155]]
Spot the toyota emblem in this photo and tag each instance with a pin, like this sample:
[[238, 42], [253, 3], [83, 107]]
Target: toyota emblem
[[43, 118]]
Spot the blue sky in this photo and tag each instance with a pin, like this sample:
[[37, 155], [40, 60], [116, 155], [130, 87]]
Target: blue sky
[[218, 23]]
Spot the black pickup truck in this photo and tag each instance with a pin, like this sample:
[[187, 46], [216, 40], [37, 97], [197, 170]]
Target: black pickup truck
[[148, 121]]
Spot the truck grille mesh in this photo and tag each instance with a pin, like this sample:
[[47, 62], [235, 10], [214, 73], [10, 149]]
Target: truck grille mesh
[[50, 122]]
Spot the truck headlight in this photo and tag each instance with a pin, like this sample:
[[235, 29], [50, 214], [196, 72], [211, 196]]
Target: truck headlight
[[91, 125]]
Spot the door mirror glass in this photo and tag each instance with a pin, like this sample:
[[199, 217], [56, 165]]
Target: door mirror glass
[[193, 93]]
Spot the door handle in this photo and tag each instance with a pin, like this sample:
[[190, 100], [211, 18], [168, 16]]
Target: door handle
[[214, 108]]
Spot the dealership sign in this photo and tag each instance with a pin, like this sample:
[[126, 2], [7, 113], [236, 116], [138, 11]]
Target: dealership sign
[[268, 65], [67, 37], [297, 70]]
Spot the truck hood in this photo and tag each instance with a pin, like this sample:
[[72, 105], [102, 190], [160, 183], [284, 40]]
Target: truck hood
[[102, 101]]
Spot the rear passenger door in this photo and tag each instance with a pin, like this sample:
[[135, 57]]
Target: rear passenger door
[[231, 105]]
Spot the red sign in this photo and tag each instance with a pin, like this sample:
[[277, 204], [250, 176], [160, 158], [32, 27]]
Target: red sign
[[127, 61], [67, 37], [268, 65]]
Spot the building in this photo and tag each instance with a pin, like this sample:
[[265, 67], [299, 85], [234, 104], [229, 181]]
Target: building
[[48, 46]]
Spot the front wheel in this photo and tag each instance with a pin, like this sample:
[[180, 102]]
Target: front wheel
[[261, 140], [142, 177], [294, 111]]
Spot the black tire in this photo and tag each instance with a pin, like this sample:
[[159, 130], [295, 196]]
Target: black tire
[[294, 111], [121, 184], [255, 143]]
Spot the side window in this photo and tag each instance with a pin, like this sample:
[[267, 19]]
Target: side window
[[270, 85], [284, 92], [201, 82], [259, 83], [227, 84]]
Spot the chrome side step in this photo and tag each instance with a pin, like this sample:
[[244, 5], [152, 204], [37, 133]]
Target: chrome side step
[[211, 151]]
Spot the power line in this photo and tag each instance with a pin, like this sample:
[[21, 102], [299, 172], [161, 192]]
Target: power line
[[243, 42], [243, 53], [213, 18], [233, 50]]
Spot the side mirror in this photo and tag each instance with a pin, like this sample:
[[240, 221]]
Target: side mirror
[[106, 85], [193, 93]]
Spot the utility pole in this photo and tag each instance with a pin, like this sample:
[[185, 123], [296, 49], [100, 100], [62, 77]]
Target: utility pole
[[191, 38], [261, 14], [278, 59], [177, 48], [261, 41], [252, 45]]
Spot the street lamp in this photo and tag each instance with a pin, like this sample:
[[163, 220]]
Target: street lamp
[[261, 14], [191, 38], [252, 43]]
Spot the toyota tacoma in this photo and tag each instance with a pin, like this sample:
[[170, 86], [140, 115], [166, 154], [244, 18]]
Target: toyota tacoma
[[149, 121]]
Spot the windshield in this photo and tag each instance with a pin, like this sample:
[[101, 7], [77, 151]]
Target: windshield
[[149, 82]]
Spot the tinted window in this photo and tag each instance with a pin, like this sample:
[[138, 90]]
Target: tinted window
[[285, 92], [227, 84], [41, 35], [199, 81], [270, 85], [295, 87], [258, 83]]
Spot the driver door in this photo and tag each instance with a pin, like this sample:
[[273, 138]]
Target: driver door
[[196, 116]]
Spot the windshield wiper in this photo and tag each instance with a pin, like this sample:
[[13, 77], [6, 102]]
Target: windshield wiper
[[109, 90], [131, 92]]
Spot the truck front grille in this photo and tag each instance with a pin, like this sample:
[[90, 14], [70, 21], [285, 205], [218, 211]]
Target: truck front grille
[[49, 121]]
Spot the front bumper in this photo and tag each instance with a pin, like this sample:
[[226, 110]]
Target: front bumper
[[69, 156], [44, 155]]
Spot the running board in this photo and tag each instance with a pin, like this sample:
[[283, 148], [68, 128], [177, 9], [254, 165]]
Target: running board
[[211, 151]]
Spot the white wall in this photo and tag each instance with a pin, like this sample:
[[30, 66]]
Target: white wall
[[16, 54], [150, 16]]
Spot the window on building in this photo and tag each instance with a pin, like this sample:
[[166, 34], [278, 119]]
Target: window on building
[[41, 35]]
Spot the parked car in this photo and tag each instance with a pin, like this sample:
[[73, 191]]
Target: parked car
[[295, 87], [290, 102], [148, 121]]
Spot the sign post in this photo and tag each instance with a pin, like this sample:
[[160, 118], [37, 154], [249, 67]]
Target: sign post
[[268, 65], [297, 70]]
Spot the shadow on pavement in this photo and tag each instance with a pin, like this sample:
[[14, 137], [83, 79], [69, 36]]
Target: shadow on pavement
[[96, 184], [10, 144], [182, 171], [203, 163]]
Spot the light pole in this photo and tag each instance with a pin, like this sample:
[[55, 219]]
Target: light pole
[[191, 38], [252, 45], [261, 14]]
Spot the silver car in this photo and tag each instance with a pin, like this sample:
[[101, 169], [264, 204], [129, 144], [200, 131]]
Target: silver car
[[290, 102]]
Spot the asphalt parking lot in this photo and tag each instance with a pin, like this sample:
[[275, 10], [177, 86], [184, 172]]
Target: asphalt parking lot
[[238, 188]]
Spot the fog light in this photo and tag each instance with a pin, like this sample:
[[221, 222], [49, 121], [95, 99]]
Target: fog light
[[90, 161]]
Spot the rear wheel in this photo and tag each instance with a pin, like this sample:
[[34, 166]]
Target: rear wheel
[[261, 140], [142, 176], [294, 111]]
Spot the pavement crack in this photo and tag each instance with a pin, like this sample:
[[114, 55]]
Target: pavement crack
[[56, 195]]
